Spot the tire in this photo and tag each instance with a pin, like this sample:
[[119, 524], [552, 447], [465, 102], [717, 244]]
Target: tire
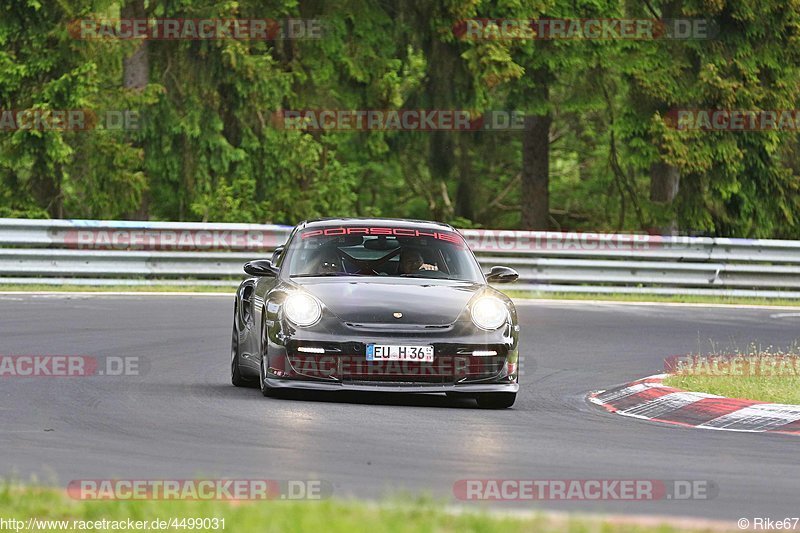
[[236, 373], [496, 400]]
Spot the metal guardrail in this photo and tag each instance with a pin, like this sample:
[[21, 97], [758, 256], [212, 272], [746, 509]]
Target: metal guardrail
[[89, 252], [135, 235]]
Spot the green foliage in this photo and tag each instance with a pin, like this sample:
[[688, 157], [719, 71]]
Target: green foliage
[[208, 147]]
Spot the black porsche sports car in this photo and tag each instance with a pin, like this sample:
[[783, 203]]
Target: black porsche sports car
[[376, 305]]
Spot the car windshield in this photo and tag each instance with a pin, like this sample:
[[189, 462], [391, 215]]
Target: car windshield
[[381, 251]]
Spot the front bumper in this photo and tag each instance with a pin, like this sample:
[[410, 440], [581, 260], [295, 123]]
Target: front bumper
[[342, 363], [448, 373], [381, 386]]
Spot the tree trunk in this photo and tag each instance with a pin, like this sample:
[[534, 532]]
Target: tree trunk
[[664, 185], [664, 182], [444, 80], [46, 188], [441, 161], [664, 178], [136, 75], [465, 194], [535, 201], [136, 67]]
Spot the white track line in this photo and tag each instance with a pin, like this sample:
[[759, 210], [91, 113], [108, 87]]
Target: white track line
[[113, 293], [530, 301]]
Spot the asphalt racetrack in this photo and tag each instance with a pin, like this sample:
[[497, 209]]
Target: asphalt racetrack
[[182, 419]]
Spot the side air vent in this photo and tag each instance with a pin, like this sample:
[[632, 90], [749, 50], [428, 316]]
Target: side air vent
[[247, 303]]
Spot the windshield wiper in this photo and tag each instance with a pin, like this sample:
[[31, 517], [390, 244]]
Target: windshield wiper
[[422, 276], [325, 275]]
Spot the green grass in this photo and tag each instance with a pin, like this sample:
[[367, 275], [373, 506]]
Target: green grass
[[511, 293], [284, 516], [763, 377], [652, 298], [115, 288]]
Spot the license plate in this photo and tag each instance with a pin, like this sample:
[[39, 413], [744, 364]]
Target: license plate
[[395, 352]]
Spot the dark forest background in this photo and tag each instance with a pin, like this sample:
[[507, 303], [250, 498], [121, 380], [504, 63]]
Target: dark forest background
[[596, 151]]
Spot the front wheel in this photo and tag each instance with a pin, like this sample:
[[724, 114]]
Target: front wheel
[[496, 400], [236, 372]]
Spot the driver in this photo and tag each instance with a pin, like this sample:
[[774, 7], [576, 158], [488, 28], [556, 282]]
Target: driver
[[328, 263], [411, 261]]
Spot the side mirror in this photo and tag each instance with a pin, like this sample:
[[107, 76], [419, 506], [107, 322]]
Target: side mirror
[[261, 268], [501, 274], [277, 253]]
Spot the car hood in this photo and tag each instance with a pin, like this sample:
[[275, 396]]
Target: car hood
[[374, 301]]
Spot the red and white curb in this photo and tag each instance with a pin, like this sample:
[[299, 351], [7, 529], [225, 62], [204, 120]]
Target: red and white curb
[[650, 399]]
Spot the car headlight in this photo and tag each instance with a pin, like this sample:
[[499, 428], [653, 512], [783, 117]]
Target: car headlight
[[488, 313], [302, 309]]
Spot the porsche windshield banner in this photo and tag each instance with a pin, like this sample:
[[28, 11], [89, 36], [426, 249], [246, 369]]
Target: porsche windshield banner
[[338, 231]]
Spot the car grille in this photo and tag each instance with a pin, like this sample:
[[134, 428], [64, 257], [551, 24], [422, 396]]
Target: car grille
[[355, 368]]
